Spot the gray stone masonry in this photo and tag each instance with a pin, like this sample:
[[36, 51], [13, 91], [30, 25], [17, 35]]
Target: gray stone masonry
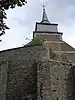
[[28, 73], [18, 72], [55, 80]]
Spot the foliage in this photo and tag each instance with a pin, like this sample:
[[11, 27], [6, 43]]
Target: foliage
[[53, 55], [5, 5], [61, 57], [37, 40], [64, 58]]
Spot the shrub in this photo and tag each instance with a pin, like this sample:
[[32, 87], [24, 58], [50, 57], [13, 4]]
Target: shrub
[[37, 40]]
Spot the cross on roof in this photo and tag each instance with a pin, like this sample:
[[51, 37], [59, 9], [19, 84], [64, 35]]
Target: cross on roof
[[44, 17]]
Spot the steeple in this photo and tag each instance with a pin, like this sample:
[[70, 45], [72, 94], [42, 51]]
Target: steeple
[[44, 17], [46, 29]]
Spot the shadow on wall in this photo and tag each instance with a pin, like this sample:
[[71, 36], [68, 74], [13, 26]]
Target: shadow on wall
[[22, 84], [71, 84]]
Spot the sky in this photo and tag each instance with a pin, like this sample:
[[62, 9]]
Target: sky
[[22, 21]]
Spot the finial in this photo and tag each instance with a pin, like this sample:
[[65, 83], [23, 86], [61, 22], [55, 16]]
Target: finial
[[44, 17], [43, 5]]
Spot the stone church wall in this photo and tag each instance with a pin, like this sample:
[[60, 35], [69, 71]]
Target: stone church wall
[[28, 73], [55, 81], [19, 82], [3, 79]]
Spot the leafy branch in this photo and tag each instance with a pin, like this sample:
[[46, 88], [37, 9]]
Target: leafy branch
[[5, 5]]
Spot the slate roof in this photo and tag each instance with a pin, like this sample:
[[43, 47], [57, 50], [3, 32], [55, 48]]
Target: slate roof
[[44, 17]]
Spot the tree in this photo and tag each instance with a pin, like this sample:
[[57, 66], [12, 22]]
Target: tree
[[5, 5]]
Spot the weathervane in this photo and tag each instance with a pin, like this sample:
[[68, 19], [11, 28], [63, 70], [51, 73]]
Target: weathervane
[[43, 5], [44, 17]]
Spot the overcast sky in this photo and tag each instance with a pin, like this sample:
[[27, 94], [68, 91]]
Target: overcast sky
[[22, 21]]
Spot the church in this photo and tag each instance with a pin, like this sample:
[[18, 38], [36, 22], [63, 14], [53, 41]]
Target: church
[[39, 71], [54, 38]]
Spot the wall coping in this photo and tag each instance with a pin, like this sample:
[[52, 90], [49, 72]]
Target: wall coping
[[25, 46]]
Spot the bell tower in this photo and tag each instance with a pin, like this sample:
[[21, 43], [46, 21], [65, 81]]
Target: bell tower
[[47, 29]]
